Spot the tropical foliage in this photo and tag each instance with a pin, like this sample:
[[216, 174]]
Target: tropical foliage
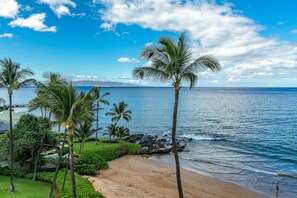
[[12, 77], [119, 112], [172, 61], [83, 131]]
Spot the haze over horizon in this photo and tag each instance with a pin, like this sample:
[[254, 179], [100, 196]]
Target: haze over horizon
[[255, 41]]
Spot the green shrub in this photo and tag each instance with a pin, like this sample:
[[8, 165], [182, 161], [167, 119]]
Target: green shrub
[[17, 173], [65, 150], [86, 169], [108, 141], [83, 186], [132, 147], [92, 159], [90, 139]]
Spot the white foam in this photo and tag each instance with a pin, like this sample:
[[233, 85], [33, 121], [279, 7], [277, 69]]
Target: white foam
[[197, 137]]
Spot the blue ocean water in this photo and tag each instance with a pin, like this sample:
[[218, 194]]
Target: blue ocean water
[[244, 135]]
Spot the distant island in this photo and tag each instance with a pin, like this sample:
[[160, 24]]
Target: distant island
[[95, 83]]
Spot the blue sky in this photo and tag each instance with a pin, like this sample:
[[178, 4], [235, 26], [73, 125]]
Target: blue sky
[[256, 41]]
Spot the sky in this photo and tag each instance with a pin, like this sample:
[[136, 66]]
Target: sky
[[255, 41]]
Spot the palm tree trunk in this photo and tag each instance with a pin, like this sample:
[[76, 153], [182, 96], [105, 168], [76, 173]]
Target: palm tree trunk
[[80, 147], [57, 167], [72, 163], [12, 188], [37, 157], [174, 121], [65, 175], [97, 122]]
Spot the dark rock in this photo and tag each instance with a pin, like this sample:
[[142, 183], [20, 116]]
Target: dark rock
[[155, 145], [134, 138]]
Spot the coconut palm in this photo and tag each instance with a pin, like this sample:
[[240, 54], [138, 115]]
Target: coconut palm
[[53, 82], [118, 112], [83, 131], [70, 107], [173, 62], [122, 132], [12, 77], [98, 101], [111, 130]]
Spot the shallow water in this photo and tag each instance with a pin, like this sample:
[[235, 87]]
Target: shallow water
[[244, 135]]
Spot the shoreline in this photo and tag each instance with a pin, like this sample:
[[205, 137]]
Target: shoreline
[[137, 176]]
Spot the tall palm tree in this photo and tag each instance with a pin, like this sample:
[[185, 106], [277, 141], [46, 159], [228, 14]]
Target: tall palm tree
[[98, 101], [53, 84], [83, 131], [118, 112], [70, 107], [12, 77], [171, 61]]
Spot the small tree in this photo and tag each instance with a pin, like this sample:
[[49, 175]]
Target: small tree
[[83, 131], [111, 130], [122, 132]]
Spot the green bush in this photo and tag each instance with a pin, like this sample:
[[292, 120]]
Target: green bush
[[17, 173], [86, 169], [108, 141], [84, 188], [92, 159], [65, 150]]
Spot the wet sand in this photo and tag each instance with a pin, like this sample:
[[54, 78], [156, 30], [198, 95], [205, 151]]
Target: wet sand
[[136, 176]]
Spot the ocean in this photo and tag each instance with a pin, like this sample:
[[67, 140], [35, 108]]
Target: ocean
[[243, 135]]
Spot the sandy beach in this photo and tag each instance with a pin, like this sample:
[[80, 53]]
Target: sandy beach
[[136, 176]]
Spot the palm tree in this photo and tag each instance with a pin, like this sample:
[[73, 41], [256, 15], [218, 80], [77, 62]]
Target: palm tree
[[70, 107], [172, 61], [83, 131], [118, 112], [53, 84], [122, 132], [98, 101], [12, 77], [111, 130]]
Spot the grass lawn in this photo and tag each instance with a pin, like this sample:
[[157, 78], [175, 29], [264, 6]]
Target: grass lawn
[[107, 150], [24, 188]]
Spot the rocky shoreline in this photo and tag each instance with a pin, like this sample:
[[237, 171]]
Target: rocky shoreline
[[157, 144]]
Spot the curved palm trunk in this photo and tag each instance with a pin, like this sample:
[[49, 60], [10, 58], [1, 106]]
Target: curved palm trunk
[[174, 121], [65, 174], [12, 188], [97, 122], [37, 157], [57, 167], [73, 184]]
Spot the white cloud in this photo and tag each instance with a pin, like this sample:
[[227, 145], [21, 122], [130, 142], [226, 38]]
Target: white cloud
[[87, 77], [149, 44], [294, 31], [107, 26], [35, 22], [59, 7], [127, 60], [9, 8], [28, 8], [6, 35], [212, 29]]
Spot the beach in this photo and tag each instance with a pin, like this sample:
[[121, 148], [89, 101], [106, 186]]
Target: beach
[[137, 176]]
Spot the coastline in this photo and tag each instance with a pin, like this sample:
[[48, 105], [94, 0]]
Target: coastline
[[137, 176]]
